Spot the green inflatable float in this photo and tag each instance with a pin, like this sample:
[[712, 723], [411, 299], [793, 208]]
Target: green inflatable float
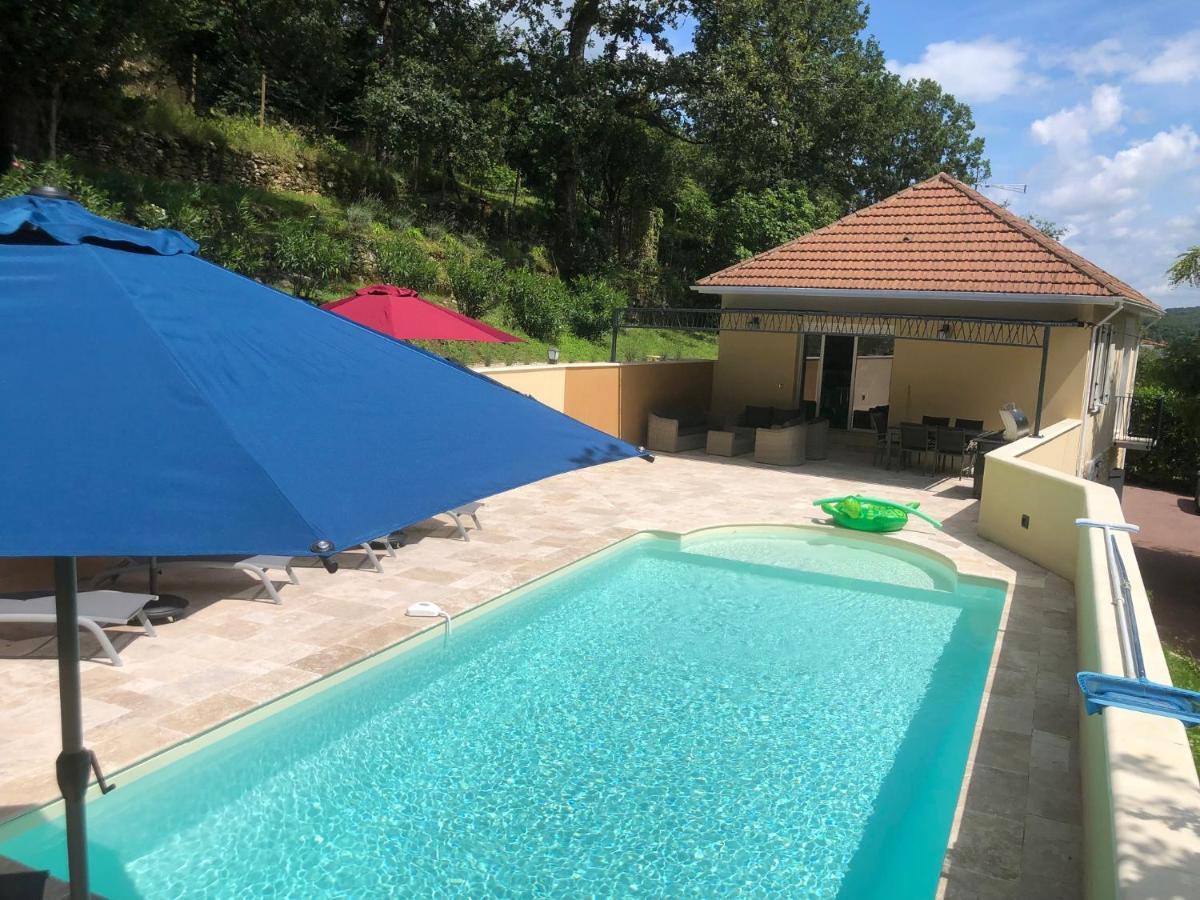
[[871, 513]]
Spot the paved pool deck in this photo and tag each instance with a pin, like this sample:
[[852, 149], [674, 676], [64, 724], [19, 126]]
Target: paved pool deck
[[1017, 829]]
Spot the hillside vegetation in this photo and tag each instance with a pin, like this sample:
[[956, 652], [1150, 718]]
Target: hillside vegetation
[[1180, 321], [321, 249], [537, 164]]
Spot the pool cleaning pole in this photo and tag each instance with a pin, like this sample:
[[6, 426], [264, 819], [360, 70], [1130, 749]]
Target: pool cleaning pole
[[74, 761]]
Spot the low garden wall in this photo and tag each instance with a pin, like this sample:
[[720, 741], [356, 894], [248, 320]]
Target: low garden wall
[[1141, 796], [614, 397]]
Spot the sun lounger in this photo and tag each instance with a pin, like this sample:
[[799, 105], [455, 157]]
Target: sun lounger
[[258, 566], [96, 608], [467, 509]]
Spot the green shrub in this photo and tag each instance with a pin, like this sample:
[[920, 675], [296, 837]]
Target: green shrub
[[593, 301], [478, 283], [23, 175], [402, 261], [360, 216], [537, 304], [310, 257], [1175, 460], [539, 259]]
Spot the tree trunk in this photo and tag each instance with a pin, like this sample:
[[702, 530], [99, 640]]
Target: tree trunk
[[563, 218], [584, 16], [262, 101], [52, 128], [192, 97]]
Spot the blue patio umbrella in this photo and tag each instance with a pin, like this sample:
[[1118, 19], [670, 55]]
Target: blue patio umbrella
[[157, 404]]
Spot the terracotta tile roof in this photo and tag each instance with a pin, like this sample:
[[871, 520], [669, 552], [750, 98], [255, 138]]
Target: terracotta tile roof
[[938, 235]]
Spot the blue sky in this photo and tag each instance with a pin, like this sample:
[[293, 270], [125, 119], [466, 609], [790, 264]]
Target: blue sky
[[1094, 105]]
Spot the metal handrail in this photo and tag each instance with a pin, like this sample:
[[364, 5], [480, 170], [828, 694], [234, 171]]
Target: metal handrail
[[1133, 662]]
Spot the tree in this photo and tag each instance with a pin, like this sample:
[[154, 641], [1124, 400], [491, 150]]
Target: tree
[[54, 52], [584, 63], [751, 223], [1050, 229], [792, 92], [1186, 269]]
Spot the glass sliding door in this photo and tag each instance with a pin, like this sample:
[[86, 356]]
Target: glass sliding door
[[872, 384]]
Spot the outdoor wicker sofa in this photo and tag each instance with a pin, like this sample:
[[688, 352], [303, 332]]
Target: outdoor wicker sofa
[[791, 445], [673, 432]]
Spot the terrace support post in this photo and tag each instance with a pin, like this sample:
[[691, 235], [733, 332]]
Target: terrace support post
[[1041, 398], [803, 369], [75, 760], [616, 327]]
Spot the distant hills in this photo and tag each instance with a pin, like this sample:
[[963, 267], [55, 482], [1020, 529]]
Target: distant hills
[[1179, 321]]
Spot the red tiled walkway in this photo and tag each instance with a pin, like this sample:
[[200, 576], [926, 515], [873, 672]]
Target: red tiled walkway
[[1168, 553]]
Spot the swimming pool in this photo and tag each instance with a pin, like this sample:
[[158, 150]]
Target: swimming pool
[[740, 711]]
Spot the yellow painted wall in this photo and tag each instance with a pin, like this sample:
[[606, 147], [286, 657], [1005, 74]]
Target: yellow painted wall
[[593, 396], [545, 383], [759, 370], [1052, 500], [1138, 778], [974, 380], [33, 573], [615, 397], [645, 387]]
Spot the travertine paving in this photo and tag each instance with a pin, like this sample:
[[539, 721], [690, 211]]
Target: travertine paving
[[1017, 832]]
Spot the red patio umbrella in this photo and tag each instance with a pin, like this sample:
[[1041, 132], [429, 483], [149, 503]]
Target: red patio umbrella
[[402, 313]]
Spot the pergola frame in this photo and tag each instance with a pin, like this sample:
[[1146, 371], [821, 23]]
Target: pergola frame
[[996, 332]]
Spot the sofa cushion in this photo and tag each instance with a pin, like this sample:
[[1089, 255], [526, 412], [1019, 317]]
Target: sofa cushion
[[687, 418], [757, 417], [785, 416]]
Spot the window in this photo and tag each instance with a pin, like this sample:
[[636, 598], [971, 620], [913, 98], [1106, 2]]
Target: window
[[1102, 357], [876, 346]]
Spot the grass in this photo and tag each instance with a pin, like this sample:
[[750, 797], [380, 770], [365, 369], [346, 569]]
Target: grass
[[636, 344], [165, 116], [1185, 673]]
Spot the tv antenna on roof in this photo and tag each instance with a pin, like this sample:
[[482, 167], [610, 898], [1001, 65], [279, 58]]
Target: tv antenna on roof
[[1015, 188]]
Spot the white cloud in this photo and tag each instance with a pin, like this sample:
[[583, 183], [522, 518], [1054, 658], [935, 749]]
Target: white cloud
[[1178, 63], [975, 71], [1130, 211], [1104, 182], [1071, 129], [1105, 58]]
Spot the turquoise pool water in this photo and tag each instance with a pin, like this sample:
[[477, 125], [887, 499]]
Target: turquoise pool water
[[709, 721]]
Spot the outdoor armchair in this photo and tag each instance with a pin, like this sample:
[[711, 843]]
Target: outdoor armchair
[[791, 445]]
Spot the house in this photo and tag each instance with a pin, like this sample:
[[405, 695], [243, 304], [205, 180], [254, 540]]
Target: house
[[939, 302]]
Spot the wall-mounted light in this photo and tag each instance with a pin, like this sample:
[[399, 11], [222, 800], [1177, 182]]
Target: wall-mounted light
[[552, 355]]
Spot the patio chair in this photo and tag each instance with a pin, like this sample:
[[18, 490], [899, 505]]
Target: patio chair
[[96, 608], [971, 426], [951, 443], [675, 432], [879, 426], [936, 421], [914, 438], [258, 566]]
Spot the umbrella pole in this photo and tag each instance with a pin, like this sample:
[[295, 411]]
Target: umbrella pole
[[74, 761]]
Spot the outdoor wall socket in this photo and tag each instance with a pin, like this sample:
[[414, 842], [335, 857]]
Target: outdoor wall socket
[[1024, 521]]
